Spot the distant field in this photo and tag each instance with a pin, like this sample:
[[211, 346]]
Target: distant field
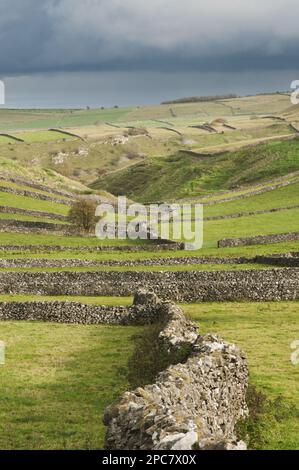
[[251, 105], [46, 118], [42, 136], [6, 140]]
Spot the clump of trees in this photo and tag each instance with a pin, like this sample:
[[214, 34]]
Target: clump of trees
[[82, 215], [201, 99]]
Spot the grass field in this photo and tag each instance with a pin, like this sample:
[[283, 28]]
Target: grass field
[[11, 167], [24, 202], [283, 197], [23, 187], [247, 251], [265, 331], [4, 215], [57, 381], [50, 240], [13, 120], [263, 224]]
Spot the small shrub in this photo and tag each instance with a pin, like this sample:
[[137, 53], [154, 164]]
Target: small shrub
[[82, 215]]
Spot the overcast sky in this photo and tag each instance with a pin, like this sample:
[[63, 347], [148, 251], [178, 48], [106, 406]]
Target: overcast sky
[[71, 51]]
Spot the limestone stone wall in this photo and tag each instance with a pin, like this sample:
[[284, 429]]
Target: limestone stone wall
[[70, 263], [287, 260], [38, 186], [75, 312], [258, 240], [28, 226], [36, 195], [159, 245], [191, 405], [185, 286]]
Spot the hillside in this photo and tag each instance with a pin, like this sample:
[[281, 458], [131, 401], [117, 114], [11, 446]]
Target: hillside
[[183, 175]]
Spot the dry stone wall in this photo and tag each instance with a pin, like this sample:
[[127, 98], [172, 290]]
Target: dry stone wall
[[28, 226], [47, 215], [152, 246], [35, 195], [259, 240], [191, 405], [73, 263], [185, 286], [38, 186]]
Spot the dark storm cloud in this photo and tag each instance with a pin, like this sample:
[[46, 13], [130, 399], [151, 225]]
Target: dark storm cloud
[[164, 35]]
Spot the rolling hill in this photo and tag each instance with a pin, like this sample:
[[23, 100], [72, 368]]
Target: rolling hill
[[183, 175]]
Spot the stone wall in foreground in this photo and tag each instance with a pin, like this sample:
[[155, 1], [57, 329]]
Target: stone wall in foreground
[[184, 286], [191, 405]]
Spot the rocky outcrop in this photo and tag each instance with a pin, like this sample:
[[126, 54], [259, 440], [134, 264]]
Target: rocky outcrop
[[191, 405]]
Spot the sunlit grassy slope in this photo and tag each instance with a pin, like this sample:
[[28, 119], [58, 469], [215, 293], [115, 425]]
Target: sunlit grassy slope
[[183, 175]]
